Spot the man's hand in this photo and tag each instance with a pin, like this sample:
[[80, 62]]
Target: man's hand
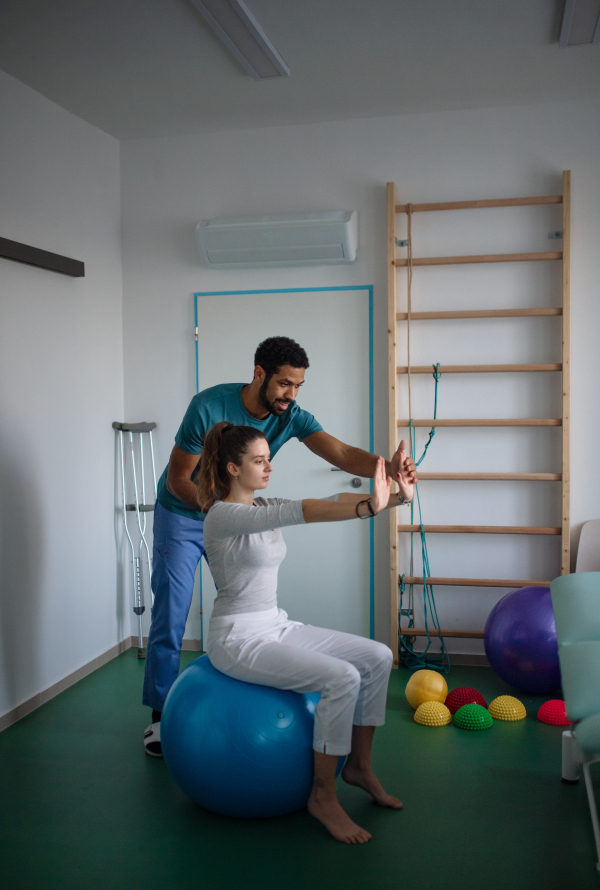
[[179, 477], [404, 470]]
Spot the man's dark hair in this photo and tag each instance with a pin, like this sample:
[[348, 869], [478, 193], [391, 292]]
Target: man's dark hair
[[274, 352]]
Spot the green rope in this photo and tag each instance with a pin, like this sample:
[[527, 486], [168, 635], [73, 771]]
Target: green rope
[[408, 657], [411, 430]]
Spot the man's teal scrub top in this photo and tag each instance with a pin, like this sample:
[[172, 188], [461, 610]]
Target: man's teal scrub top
[[224, 402]]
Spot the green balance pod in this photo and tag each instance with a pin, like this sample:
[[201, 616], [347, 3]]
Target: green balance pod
[[473, 717]]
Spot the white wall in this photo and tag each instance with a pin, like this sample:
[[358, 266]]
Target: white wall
[[60, 388], [169, 184]]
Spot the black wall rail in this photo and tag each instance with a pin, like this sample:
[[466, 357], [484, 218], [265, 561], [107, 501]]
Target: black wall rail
[[33, 256]]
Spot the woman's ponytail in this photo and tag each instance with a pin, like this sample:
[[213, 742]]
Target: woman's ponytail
[[224, 443], [208, 482]]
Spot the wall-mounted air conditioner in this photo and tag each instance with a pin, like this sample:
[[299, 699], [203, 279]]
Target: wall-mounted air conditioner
[[304, 239]]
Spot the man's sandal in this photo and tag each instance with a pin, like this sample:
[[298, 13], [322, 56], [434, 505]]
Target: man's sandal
[[152, 740]]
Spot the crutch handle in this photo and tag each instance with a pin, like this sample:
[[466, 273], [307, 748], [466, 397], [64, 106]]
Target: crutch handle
[[134, 427]]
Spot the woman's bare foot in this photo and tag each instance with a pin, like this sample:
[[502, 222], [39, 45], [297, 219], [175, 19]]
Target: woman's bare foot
[[327, 809], [368, 781]]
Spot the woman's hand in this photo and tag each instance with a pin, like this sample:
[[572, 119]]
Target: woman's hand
[[381, 487]]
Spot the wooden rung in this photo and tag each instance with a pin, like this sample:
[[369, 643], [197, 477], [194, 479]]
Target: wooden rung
[[490, 477], [482, 529], [476, 205], [533, 421], [462, 634], [475, 582], [478, 313], [477, 369], [483, 258]]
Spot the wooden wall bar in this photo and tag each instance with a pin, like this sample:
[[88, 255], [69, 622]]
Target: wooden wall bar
[[395, 423], [483, 258], [478, 205]]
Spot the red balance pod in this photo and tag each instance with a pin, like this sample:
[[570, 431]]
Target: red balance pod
[[464, 695], [554, 712]]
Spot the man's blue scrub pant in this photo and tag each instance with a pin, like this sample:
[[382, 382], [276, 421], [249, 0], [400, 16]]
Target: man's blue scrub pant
[[177, 550]]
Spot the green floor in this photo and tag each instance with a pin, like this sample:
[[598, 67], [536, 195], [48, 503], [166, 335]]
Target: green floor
[[81, 806]]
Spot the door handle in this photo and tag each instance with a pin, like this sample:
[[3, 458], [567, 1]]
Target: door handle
[[356, 482]]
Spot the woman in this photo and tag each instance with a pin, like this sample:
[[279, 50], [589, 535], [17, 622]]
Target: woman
[[250, 639]]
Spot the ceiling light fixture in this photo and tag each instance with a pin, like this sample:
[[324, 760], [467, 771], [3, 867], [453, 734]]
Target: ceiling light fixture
[[580, 23], [233, 22]]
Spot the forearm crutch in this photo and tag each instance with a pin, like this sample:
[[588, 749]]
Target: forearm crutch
[[140, 508]]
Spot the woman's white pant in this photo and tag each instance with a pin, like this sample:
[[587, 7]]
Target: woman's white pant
[[350, 672]]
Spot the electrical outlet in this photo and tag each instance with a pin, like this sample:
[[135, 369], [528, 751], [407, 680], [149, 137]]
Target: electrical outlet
[[555, 235]]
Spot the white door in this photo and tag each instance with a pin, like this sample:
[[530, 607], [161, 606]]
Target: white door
[[326, 577]]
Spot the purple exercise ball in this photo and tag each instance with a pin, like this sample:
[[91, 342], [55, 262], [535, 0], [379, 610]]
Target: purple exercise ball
[[520, 640]]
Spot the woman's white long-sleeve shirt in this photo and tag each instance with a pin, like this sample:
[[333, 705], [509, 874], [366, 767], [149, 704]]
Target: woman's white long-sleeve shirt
[[245, 548]]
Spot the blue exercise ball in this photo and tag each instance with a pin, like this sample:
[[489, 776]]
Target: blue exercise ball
[[520, 640], [237, 748]]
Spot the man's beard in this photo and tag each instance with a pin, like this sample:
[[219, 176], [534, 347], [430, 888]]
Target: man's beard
[[271, 407]]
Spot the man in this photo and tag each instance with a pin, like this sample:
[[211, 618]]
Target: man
[[269, 404]]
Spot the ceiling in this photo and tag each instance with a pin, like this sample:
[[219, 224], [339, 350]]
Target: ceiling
[[144, 68]]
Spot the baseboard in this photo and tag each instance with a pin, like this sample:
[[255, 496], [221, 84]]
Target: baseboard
[[41, 698], [472, 660], [456, 658]]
